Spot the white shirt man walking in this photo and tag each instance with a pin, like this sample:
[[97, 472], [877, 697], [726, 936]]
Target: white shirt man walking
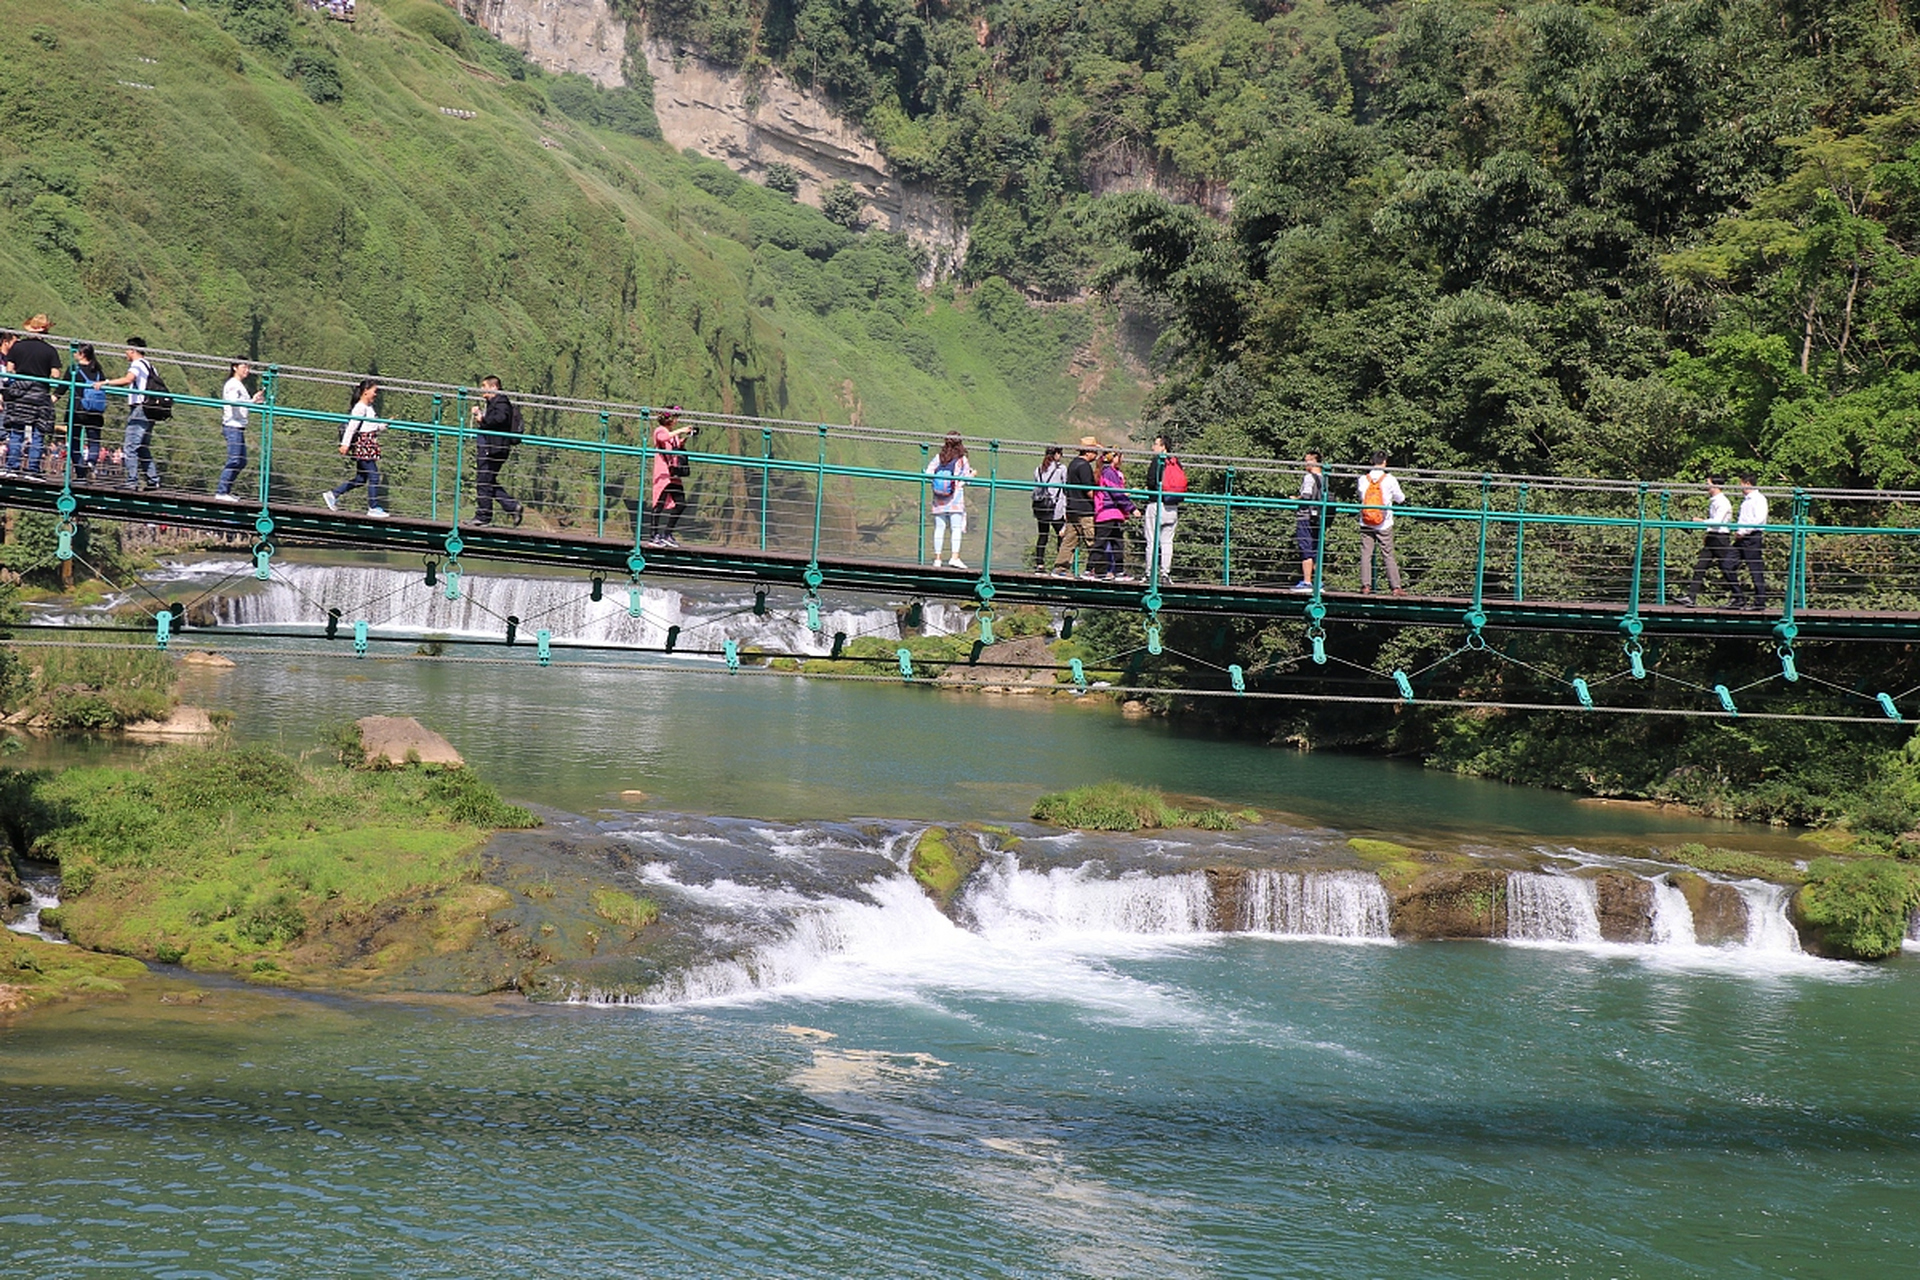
[[1748, 531], [1716, 552], [1380, 493]]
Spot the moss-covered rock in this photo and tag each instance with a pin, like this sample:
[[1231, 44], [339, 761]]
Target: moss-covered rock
[[1624, 904], [942, 860], [1856, 909], [34, 972], [1450, 902]]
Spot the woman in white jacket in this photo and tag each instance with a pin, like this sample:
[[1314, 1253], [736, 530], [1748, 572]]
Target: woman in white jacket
[[949, 472]]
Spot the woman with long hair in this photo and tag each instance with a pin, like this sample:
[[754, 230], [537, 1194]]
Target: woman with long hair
[[1111, 507], [949, 472], [89, 412], [1049, 503], [360, 440]]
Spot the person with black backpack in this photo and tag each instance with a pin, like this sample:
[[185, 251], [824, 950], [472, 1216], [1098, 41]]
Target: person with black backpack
[[1049, 503], [147, 404], [499, 422]]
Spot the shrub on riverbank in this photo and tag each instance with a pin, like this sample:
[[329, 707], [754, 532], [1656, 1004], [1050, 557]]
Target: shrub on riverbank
[[92, 688], [1121, 806], [217, 858], [1859, 908]]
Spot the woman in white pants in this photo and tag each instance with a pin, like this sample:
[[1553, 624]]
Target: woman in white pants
[[949, 473]]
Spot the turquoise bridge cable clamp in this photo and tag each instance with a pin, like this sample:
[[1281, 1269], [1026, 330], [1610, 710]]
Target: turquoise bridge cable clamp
[[544, 639], [1886, 705], [813, 614], [1079, 674], [360, 638], [731, 650], [162, 628], [1406, 686], [1788, 671], [1583, 693], [634, 597], [1636, 660], [1239, 678], [1726, 700], [1318, 637], [1153, 638], [986, 627], [905, 655]]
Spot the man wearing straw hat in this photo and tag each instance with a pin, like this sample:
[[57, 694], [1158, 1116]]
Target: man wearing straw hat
[[1078, 531]]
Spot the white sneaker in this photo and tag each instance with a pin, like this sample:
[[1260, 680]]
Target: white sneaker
[[224, 497], [333, 503], [378, 513], [936, 562], [955, 563]]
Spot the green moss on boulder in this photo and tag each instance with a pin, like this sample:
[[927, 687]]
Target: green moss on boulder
[[941, 862], [1857, 909]]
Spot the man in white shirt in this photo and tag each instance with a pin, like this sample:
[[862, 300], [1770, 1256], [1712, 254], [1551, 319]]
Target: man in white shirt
[[137, 448], [1717, 550], [1747, 533], [237, 400], [1379, 494]]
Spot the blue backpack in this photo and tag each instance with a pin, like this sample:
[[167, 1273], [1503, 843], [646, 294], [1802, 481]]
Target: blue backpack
[[94, 398], [943, 480]]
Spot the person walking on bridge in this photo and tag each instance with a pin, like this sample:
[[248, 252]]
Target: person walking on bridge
[[34, 363], [1380, 493], [1166, 489], [1111, 509], [1306, 524], [236, 402], [137, 446], [950, 471], [669, 481], [360, 440], [1049, 503], [1079, 507], [498, 419], [1747, 533], [1716, 552]]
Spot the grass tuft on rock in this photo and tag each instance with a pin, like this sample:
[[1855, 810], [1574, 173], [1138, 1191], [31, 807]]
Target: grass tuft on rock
[[1731, 862], [1121, 806], [624, 909]]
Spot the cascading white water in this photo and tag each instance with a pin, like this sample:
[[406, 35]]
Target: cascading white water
[[1672, 916], [1549, 908], [1768, 928], [394, 600], [44, 893], [1006, 899], [1319, 904]]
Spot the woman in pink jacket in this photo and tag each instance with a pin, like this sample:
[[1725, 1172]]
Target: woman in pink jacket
[[1111, 507], [667, 499]]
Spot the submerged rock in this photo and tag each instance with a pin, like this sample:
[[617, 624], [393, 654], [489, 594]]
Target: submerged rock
[[185, 722], [393, 741]]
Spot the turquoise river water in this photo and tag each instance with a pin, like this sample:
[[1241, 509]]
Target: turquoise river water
[[1058, 1097]]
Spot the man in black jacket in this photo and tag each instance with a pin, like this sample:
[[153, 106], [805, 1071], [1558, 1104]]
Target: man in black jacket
[[29, 404], [1078, 531], [499, 424]]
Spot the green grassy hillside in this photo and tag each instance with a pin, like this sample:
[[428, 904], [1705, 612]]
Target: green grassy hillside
[[244, 176]]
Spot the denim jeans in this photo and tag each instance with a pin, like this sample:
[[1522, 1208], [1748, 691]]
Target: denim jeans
[[138, 448], [29, 420], [367, 473], [236, 457]]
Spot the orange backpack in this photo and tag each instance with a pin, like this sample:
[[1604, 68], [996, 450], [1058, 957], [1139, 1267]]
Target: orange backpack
[[1373, 503]]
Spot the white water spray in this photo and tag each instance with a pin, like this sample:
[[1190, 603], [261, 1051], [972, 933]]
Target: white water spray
[[1318, 904]]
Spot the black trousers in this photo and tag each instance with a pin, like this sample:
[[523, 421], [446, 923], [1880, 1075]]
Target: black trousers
[[1715, 553], [492, 458], [1747, 552], [1048, 528]]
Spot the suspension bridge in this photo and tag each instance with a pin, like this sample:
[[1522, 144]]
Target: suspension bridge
[[795, 509]]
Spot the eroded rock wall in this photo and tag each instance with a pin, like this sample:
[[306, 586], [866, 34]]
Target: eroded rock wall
[[582, 36]]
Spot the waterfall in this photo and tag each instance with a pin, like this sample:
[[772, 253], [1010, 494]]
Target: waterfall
[[1006, 899], [1321, 904], [45, 895], [395, 600], [1672, 916], [1768, 928], [1550, 908]]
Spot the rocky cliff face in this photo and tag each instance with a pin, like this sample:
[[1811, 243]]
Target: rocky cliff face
[[747, 124], [581, 36]]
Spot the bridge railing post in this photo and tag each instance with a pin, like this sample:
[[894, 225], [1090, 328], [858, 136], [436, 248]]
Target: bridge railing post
[[1226, 532], [1796, 557], [600, 494], [1639, 551], [1480, 558], [1660, 593], [819, 496], [1520, 546], [920, 556], [766, 479], [269, 399], [993, 490]]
